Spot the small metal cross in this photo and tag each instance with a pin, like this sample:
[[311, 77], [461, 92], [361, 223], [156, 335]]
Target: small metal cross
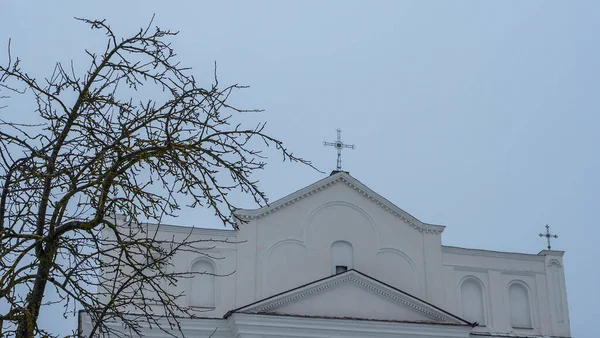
[[339, 145], [548, 235]]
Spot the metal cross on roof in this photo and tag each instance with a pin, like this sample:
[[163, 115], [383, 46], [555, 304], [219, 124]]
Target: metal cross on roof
[[548, 235], [339, 145]]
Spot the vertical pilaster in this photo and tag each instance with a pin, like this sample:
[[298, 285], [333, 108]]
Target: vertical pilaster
[[246, 264], [434, 278], [499, 302], [557, 292], [543, 304]]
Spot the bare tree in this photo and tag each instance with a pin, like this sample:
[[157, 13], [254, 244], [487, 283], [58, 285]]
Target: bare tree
[[134, 134]]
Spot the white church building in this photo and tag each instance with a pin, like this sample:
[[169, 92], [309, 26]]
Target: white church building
[[336, 259]]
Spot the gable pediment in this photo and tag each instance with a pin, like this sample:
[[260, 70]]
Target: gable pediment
[[355, 185], [352, 295]]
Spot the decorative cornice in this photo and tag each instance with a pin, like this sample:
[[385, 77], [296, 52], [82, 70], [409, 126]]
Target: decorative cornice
[[513, 335], [285, 201], [557, 253], [391, 209], [490, 253], [356, 186], [196, 327], [554, 261], [520, 273], [467, 268], [285, 325], [192, 229]]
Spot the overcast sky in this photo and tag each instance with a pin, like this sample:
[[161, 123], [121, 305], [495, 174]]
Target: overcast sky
[[478, 115]]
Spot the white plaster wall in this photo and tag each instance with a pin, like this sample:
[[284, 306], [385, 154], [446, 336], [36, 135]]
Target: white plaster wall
[[223, 256], [215, 250], [496, 271], [294, 243], [291, 246]]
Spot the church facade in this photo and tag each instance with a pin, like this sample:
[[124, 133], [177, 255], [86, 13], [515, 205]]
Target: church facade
[[335, 259]]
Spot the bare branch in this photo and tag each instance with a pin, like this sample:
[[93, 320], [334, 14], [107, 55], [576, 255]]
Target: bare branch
[[135, 123]]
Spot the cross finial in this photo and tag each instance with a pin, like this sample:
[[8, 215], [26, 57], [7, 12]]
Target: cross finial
[[339, 145], [548, 235]]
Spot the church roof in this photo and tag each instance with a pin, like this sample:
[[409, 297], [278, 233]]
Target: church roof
[[340, 177], [401, 306]]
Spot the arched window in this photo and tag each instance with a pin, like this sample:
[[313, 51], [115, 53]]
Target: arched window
[[202, 288], [341, 257], [471, 294], [520, 308]]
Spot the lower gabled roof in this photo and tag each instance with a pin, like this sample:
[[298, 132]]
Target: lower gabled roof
[[317, 299]]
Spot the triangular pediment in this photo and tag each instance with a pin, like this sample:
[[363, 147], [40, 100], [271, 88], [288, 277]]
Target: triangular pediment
[[352, 295], [340, 178]]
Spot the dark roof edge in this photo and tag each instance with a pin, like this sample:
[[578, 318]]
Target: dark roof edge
[[353, 318]]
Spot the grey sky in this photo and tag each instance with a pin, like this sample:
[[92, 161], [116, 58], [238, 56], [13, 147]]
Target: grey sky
[[478, 115]]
